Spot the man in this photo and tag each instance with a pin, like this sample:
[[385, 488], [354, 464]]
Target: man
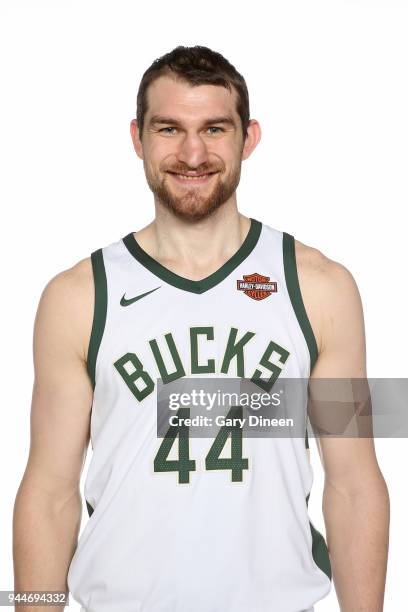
[[200, 291]]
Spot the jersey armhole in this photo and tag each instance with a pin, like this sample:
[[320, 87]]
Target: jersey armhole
[[100, 310], [293, 287]]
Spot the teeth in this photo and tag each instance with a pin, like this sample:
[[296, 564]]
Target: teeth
[[192, 177], [184, 176]]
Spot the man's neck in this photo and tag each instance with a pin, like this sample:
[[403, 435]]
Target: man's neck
[[194, 250]]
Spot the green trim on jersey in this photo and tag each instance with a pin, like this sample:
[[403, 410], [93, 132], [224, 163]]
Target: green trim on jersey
[[89, 508], [100, 309], [292, 283], [195, 286], [320, 551]]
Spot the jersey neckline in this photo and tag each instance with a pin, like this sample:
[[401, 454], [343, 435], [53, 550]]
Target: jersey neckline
[[187, 284]]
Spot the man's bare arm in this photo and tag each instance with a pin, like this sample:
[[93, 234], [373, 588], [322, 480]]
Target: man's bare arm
[[48, 506], [355, 499]]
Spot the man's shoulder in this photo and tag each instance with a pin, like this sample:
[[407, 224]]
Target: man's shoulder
[[319, 270], [327, 286], [74, 281], [67, 303]]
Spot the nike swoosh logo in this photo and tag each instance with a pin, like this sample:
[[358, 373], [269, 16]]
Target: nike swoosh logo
[[127, 302]]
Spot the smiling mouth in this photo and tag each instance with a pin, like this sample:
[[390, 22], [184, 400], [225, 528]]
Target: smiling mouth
[[192, 177]]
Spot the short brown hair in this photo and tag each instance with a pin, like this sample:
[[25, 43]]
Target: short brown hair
[[198, 66]]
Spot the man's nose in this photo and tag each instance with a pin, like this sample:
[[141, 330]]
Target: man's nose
[[192, 151]]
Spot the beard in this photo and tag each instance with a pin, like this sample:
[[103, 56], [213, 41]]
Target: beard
[[193, 203]]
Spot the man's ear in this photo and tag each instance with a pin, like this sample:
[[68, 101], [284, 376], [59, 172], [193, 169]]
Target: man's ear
[[252, 139], [134, 132]]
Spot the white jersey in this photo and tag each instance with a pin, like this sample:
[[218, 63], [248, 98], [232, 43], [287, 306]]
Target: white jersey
[[196, 533]]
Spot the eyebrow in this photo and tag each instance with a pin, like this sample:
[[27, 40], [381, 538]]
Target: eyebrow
[[160, 119]]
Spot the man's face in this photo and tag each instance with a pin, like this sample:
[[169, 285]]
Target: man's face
[[191, 132]]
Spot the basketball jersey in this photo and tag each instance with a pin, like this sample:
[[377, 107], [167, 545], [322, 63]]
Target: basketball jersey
[[183, 534]]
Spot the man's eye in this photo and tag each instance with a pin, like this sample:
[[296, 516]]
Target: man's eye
[[167, 128], [216, 128]]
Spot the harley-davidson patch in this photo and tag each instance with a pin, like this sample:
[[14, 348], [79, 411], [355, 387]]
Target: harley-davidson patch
[[256, 286]]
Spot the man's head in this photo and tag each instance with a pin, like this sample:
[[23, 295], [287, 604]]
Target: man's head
[[193, 119]]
